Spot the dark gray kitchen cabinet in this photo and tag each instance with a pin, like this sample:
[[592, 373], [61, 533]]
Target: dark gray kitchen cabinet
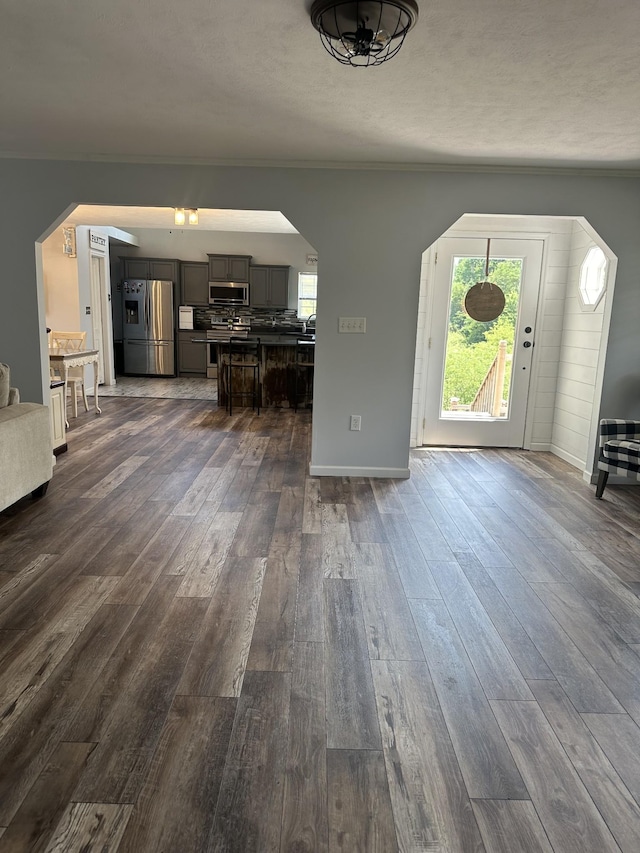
[[258, 286], [279, 284], [192, 353], [194, 283], [135, 268], [268, 286], [229, 267], [162, 269]]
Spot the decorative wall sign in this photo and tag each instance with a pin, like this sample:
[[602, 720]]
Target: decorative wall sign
[[69, 242], [484, 301], [98, 243], [312, 260]]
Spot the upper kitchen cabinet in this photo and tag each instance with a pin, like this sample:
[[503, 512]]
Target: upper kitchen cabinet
[[268, 286], [194, 283], [135, 268], [229, 267], [160, 269]]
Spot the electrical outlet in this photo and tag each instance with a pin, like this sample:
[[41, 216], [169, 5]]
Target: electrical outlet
[[87, 310], [356, 422], [352, 325]]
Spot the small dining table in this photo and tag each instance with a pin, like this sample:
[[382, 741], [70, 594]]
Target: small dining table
[[62, 359]]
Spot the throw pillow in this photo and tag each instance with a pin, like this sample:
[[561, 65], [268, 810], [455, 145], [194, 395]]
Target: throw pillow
[[4, 385]]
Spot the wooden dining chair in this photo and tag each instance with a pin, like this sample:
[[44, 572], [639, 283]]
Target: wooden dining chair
[[72, 342]]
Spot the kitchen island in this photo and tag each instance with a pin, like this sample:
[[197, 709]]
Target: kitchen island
[[284, 379]]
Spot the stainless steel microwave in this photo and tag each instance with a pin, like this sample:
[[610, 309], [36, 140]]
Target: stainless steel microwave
[[228, 293]]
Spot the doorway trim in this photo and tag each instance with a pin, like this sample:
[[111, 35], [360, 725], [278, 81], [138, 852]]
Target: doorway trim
[[466, 233]]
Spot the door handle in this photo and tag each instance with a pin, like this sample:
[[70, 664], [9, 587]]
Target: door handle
[[527, 344]]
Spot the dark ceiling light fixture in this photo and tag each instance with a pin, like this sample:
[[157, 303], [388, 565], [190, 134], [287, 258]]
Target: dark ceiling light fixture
[[363, 32]]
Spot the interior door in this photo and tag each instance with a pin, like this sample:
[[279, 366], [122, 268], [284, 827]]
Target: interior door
[[478, 372], [96, 312], [102, 322]]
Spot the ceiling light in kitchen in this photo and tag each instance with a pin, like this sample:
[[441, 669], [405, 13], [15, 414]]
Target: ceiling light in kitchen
[[363, 32], [185, 215]]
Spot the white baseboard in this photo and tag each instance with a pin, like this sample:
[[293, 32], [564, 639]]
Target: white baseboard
[[568, 457], [344, 471], [540, 445], [614, 479], [587, 476]]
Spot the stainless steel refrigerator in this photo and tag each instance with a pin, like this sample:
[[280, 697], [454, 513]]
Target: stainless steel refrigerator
[[148, 328]]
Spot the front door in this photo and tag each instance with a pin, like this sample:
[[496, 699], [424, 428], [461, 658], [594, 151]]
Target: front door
[[478, 371]]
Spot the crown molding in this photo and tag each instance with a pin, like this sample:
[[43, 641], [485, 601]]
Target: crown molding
[[475, 168]]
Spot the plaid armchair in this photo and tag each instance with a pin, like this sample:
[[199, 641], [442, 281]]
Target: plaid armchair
[[619, 451]]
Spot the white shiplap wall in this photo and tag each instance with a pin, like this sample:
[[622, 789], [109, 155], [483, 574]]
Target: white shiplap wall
[[577, 363]]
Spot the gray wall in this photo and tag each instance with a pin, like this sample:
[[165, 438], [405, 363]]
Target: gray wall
[[370, 229]]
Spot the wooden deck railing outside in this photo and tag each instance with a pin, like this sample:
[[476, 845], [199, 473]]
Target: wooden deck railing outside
[[489, 396]]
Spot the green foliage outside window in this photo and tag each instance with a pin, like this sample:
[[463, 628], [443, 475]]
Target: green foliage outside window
[[472, 346]]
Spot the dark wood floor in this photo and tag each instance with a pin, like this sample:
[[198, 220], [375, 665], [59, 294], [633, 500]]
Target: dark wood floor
[[204, 649]]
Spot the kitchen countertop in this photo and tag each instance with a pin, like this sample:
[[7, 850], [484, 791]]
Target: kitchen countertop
[[278, 339]]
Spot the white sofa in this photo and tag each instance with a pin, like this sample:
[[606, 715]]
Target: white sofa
[[26, 455]]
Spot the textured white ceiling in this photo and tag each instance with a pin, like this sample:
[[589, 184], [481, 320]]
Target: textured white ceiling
[[254, 221], [496, 82]]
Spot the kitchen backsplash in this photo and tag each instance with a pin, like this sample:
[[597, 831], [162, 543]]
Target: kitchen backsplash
[[258, 316]]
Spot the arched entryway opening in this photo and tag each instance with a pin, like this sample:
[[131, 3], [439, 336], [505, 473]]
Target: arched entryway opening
[[91, 249], [554, 346]]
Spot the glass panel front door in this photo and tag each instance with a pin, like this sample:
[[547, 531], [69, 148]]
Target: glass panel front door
[[479, 355], [478, 370]]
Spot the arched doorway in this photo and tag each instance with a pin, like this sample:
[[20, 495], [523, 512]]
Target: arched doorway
[[565, 359]]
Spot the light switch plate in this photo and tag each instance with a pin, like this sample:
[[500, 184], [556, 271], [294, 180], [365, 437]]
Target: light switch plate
[[352, 325]]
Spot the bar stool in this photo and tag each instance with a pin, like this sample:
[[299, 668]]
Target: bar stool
[[304, 359], [244, 356]]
